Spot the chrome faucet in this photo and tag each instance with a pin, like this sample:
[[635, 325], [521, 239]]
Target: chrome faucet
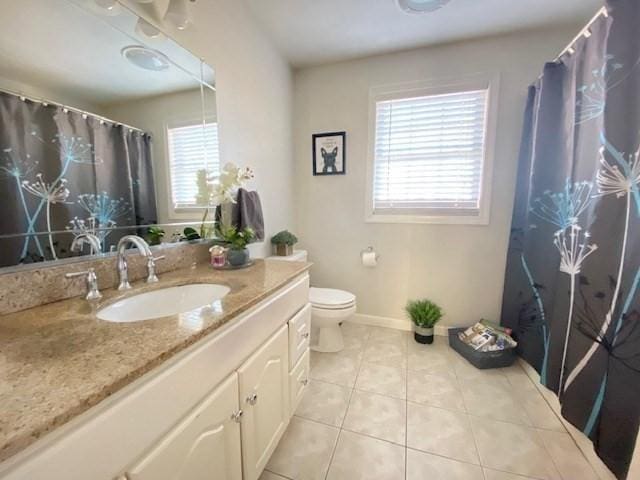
[[91, 239], [91, 280], [145, 251]]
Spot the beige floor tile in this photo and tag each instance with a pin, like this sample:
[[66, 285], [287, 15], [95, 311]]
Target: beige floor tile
[[383, 380], [339, 368], [518, 378], [391, 352], [431, 359], [512, 448], [493, 399], [382, 333], [539, 411], [567, 456], [305, 450], [271, 476], [496, 475], [434, 390], [465, 371], [377, 416], [424, 466], [355, 330], [442, 432], [358, 457], [325, 403]]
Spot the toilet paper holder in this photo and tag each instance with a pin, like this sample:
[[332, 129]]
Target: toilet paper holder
[[369, 250]]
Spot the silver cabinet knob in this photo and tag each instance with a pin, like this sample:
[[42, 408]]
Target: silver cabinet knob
[[252, 399], [305, 382], [237, 416], [305, 335]]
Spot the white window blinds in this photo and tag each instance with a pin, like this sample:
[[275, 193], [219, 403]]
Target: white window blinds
[[191, 148], [429, 154]]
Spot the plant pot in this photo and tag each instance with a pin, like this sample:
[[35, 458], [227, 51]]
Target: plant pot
[[282, 250], [237, 257], [423, 335]]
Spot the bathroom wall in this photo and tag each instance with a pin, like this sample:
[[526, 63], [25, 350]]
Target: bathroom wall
[[460, 267], [254, 99]]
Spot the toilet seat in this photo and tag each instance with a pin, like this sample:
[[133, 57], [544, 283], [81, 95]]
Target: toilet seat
[[331, 299]]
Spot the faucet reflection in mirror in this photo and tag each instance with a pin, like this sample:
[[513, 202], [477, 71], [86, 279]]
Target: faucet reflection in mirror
[[65, 170]]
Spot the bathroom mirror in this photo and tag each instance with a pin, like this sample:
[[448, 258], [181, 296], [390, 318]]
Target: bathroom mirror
[[105, 122]]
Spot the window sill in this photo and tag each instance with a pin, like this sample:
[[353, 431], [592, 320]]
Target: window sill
[[480, 220]]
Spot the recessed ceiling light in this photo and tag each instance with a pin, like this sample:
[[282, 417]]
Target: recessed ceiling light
[[421, 6], [146, 58]]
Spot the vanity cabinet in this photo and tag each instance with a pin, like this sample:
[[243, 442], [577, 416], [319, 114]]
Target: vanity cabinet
[[204, 446], [264, 390], [215, 411]]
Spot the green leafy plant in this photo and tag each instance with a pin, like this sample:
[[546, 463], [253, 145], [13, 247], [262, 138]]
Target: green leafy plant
[[191, 234], [284, 238], [236, 239], [423, 313], [154, 235]]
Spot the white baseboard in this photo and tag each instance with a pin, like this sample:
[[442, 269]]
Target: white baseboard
[[396, 323], [583, 443]]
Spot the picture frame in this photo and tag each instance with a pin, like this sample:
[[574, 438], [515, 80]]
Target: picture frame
[[329, 153]]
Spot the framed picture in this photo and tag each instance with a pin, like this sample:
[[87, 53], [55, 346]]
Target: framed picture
[[329, 153]]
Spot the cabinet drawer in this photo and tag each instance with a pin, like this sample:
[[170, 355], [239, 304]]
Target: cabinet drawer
[[298, 380], [299, 333]]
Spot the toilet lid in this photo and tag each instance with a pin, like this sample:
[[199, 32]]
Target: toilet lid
[[330, 298]]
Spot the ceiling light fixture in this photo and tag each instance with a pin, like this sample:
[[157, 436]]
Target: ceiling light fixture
[[178, 14], [421, 6], [106, 7], [146, 58]]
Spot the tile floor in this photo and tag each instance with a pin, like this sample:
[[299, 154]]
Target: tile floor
[[387, 408]]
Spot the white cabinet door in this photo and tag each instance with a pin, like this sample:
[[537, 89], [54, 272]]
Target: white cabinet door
[[264, 398], [298, 381], [204, 446], [299, 332]]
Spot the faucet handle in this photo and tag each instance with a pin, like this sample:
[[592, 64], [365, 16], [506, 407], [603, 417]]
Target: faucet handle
[[91, 280], [151, 268]]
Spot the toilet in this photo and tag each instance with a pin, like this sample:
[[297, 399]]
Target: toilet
[[329, 308]]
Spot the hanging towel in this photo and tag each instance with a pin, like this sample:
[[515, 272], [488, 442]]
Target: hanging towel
[[247, 213]]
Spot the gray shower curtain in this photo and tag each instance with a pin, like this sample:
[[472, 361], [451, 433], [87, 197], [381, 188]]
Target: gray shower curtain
[[573, 271], [61, 170]]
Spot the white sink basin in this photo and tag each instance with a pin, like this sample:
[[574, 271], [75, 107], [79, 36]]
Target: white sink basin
[[162, 303]]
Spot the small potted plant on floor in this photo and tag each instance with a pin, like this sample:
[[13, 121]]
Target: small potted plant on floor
[[283, 243], [424, 314], [237, 241]]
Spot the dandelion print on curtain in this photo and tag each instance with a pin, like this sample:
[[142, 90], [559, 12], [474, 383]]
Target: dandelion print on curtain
[[573, 271], [63, 171]]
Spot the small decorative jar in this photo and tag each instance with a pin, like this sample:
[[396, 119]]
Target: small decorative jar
[[218, 256]]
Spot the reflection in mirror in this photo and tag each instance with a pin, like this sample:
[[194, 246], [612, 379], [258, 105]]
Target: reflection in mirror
[[104, 122]]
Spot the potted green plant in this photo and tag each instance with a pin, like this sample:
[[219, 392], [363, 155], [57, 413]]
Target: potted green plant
[[283, 243], [154, 235], [424, 314], [237, 241]]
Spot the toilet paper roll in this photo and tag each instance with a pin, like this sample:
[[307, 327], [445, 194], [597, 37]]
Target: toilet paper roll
[[369, 259]]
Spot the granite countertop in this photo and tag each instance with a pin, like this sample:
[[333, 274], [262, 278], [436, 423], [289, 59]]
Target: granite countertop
[[59, 360]]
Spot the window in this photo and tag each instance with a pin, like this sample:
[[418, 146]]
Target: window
[[429, 156], [191, 148]]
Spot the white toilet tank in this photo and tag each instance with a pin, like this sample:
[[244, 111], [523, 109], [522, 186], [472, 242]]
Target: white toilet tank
[[296, 256]]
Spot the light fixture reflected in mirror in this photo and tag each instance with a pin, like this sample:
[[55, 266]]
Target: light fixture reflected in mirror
[[145, 29], [106, 7], [146, 58], [178, 14], [421, 6]]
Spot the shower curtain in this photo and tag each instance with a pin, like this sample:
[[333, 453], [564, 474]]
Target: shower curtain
[[573, 271], [61, 170]]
